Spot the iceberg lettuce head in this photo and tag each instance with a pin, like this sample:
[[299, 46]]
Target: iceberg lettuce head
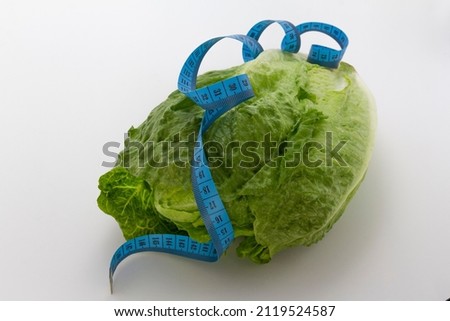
[[286, 162]]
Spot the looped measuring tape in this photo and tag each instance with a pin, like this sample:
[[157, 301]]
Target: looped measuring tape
[[223, 93], [290, 43], [322, 55], [216, 99]]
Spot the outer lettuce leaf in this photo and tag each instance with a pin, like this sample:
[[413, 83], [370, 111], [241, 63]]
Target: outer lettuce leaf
[[271, 207], [129, 199]]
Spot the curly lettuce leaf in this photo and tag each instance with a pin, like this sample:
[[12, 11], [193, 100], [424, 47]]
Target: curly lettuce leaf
[[129, 200]]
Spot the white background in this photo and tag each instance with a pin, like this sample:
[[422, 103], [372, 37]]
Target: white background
[[77, 74]]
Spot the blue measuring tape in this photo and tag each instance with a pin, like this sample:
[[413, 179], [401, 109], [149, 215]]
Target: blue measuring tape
[[290, 43], [216, 99]]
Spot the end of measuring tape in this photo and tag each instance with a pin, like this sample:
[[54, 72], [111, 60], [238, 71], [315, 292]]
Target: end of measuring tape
[[216, 99]]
